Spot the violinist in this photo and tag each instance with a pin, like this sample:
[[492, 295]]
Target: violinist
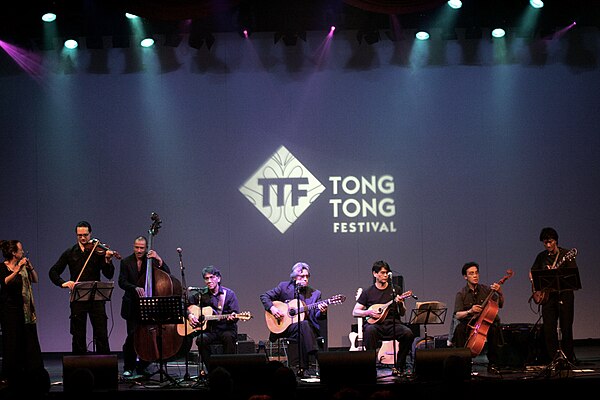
[[86, 260], [132, 275], [468, 306]]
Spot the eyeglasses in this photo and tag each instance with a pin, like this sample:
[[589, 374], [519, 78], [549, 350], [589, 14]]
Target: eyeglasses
[[83, 234]]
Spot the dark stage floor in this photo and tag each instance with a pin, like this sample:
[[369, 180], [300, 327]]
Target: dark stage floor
[[432, 374]]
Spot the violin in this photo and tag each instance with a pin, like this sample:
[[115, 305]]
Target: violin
[[101, 248]]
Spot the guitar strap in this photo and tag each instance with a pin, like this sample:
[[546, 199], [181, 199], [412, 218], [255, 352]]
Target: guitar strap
[[221, 302], [553, 266]]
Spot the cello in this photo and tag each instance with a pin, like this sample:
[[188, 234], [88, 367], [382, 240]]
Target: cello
[[161, 341], [478, 335]]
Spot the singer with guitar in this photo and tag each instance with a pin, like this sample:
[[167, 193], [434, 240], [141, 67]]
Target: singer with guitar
[[306, 331], [379, 305], [85, 264], [468, 305], [559, 306], [222, 301]]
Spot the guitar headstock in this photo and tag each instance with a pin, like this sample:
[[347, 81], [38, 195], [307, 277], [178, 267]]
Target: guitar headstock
[[358, 292], [244, 316], [337, 299], [569, 256]]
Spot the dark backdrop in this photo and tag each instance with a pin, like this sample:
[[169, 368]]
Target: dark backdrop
[[484, 144]]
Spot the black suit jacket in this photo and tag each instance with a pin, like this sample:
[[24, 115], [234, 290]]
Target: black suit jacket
[[129, 279]]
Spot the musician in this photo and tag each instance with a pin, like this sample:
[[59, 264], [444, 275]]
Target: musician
[[132, 273], [216, 299], [468, 306], [22, 355], [389, 324], [560, 307], [75, 258], [308, 329]]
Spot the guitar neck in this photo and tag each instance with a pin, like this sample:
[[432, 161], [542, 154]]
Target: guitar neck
[[313, 305]]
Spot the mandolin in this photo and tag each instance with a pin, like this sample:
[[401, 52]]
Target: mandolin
[[383, 309]]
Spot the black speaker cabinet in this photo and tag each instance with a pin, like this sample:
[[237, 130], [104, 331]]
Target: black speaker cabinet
[[243, 368], [450, 364], [87, 373], [347, 367]]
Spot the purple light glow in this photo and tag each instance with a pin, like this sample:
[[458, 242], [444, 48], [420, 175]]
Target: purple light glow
[[26, 60]]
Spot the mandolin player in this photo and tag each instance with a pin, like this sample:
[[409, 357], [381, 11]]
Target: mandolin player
[[382, 305], [468, 307]]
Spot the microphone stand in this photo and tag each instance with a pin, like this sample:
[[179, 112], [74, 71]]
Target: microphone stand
[[299, 335], [395, 370], [186, 376]]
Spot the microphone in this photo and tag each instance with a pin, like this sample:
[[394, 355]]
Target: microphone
[[414, 297], [390, 274], [179, 250]]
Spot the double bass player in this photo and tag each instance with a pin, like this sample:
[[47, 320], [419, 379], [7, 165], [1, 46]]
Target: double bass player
[[468, 306]]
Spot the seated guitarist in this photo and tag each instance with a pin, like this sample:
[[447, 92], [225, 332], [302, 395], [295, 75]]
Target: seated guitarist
[[384, 324], [290, 291], [214, 298]]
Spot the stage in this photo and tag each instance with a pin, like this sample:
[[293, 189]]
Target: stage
[[433, 372]]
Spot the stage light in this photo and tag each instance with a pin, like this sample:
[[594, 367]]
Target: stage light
[[498, 33], [536, 3], [147, 42], [71, 44], [49, 17], [455, 4], [422, 35]]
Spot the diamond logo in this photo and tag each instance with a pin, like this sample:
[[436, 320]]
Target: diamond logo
[[282, 189]]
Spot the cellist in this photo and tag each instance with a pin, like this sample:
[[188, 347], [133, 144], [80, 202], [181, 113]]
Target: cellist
[[468, 306]]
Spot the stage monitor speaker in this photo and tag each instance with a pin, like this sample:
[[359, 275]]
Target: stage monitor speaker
[[347, 367], [244, 368], [450, 364], [86, 373]]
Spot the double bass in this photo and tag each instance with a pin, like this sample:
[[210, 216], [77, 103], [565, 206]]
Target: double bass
[[154, 342], [480, 328]]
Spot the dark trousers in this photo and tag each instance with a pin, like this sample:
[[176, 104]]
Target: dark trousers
[[559, 309], [130, 361], [227, 338], [308, 343], [388, 330], [97, 313]]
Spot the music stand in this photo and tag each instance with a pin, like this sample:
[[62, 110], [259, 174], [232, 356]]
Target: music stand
[[428, 312], [92, 291], [556, 280], [161, 310]]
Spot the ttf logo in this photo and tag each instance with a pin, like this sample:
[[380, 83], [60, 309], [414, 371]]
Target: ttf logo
[[282, 189]]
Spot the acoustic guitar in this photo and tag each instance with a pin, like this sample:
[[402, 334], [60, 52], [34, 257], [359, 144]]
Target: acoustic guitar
[[207, 314], [540, 297], [383, 309], [292, 313]]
